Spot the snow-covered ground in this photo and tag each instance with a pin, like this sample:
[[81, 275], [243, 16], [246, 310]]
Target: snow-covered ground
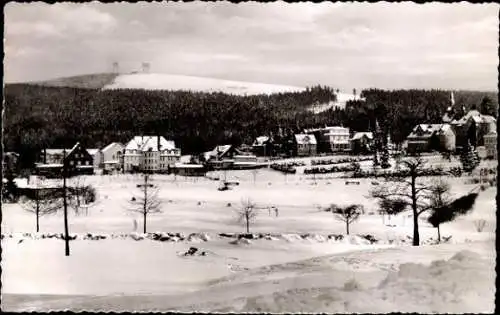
[[160, 81], [342, 99], [286, 273]]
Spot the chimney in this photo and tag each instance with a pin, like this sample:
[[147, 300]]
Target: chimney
[[158, 140], [44, 155]]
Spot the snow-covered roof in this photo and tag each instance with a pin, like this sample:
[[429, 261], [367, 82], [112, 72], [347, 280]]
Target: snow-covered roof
[[359, 135], [185, 159], [49, 165], [305, 139], [56, 151], [260, 140], [337, 131], [183, 165], [217, 151], [150, 143], [92, 151], [111, 145]]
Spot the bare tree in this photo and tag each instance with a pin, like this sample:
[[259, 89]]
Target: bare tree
[[40, 202], [348, 214], [81, 196], [147, 202], [391, 207], [440, 191], [445, 210], [404, 187], [247, 213]]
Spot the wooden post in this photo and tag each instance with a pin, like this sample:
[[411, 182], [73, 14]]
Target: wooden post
[[65, 204]]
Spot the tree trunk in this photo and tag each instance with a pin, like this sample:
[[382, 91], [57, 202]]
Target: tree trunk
[[37, 216], [248, 224], [144, 223], [439, 235], [37, 212], [347, 227], [65, 204], [416, 236]]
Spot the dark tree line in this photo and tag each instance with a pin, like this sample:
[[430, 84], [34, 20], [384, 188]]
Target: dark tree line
[[38, 116]]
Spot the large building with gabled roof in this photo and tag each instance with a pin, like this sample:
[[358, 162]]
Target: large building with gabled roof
[[150, 154]]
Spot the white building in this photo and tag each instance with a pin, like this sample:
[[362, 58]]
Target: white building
[[339, 139], [111, 157], [306, 144], [96, 156], [150, 153]]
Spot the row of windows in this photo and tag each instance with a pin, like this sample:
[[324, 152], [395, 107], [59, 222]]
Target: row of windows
[[79, 163]]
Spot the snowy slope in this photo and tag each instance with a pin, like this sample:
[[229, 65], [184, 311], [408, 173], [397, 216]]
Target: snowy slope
[[342, 99], [158, 81]]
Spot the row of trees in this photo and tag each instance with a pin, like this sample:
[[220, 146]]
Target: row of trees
[[38, 116]]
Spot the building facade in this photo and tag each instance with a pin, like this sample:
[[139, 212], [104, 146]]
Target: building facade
[[362, 143], [150, 154], [111, 157], [306, 145], [338, 138], [490, 144]]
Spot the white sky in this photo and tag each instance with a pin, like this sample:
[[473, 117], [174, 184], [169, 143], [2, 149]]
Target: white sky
[[343, 45]]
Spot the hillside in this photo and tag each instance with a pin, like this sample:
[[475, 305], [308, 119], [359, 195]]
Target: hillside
[[160, 81], [86, 81]]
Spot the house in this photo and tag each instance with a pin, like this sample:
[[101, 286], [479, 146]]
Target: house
[[472, 127], [96, 157], [229, 157], [431, 137], [77, 159], [306, 144], [263, 146], [362, 142], [111, 157], [447, 138], [490, 144], [330, 138], [150, 154], [338, 138]]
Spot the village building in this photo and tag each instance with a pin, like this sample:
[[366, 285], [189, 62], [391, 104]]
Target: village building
[[472, 128], [96, 157], [229, 157], [111, 157], [331, 138], [263, 146], [78, 162], [490, 144], [306, 145], [431, 137], [150, 154], [362, 143], [339, 139]]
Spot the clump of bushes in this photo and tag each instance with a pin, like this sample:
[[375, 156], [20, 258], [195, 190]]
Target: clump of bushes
[[284, 168]]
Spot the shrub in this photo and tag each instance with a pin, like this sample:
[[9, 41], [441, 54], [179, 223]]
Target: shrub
[[480, 224]]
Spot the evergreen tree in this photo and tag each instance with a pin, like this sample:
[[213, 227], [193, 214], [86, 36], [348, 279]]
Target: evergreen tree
[[469, 158]]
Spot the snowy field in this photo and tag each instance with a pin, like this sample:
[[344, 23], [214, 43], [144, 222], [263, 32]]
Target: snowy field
[[284, 273], [160, 81]]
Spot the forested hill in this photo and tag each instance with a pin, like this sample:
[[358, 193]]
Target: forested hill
[[39, 116]]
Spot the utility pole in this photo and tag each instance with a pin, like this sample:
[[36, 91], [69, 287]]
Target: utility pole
[[65, 204]]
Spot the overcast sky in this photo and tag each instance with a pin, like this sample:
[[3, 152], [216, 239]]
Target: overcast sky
[[343, 45]]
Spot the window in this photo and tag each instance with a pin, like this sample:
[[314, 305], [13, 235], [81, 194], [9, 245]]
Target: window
[[71, 163], [79, 162], [87, 163]]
